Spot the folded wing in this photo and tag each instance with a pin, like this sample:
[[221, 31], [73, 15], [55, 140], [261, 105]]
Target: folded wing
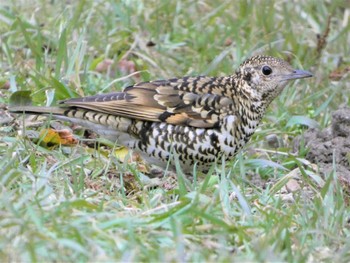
[[174, 101]]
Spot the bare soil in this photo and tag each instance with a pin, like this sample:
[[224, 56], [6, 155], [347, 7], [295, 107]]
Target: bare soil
[[330, 148]]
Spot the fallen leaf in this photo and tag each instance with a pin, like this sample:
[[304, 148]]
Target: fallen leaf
[[121, 153], [51, 137]]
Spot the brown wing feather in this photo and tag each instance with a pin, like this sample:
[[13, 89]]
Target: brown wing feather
[[159, 101]]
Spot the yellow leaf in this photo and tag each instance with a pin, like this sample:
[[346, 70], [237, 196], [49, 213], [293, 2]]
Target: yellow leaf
[[121, 153], [51, 137]]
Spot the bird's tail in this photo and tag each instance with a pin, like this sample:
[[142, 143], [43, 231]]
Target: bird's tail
[[37, 110], [109, 126]]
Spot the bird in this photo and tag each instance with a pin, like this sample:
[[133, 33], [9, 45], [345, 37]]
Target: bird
[[193, 120]]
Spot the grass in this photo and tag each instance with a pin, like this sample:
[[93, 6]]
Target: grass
[[82, 204]]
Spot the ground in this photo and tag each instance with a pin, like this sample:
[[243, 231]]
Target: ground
[[68, 195], [329, 148]]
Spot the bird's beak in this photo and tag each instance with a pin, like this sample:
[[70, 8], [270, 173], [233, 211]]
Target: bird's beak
[[298, 74]]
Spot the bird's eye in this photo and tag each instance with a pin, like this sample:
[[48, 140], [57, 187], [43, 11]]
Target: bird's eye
[[266, 70]]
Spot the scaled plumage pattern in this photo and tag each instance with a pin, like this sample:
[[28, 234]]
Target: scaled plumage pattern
[[197, 119]]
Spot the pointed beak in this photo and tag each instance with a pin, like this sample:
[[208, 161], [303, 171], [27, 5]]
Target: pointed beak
[[298, 74]]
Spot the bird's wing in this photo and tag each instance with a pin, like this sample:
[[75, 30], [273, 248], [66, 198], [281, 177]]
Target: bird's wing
[[175, 101]]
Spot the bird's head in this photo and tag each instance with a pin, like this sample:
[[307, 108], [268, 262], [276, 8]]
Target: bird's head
[[267, 76]]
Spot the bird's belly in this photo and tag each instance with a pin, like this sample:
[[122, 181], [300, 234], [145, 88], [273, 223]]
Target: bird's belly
[[164, 144]]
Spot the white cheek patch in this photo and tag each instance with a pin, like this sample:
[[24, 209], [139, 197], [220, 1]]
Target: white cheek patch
[[255, 78]]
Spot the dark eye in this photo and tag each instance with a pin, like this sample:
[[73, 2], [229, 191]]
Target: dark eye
[[266, 70]]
